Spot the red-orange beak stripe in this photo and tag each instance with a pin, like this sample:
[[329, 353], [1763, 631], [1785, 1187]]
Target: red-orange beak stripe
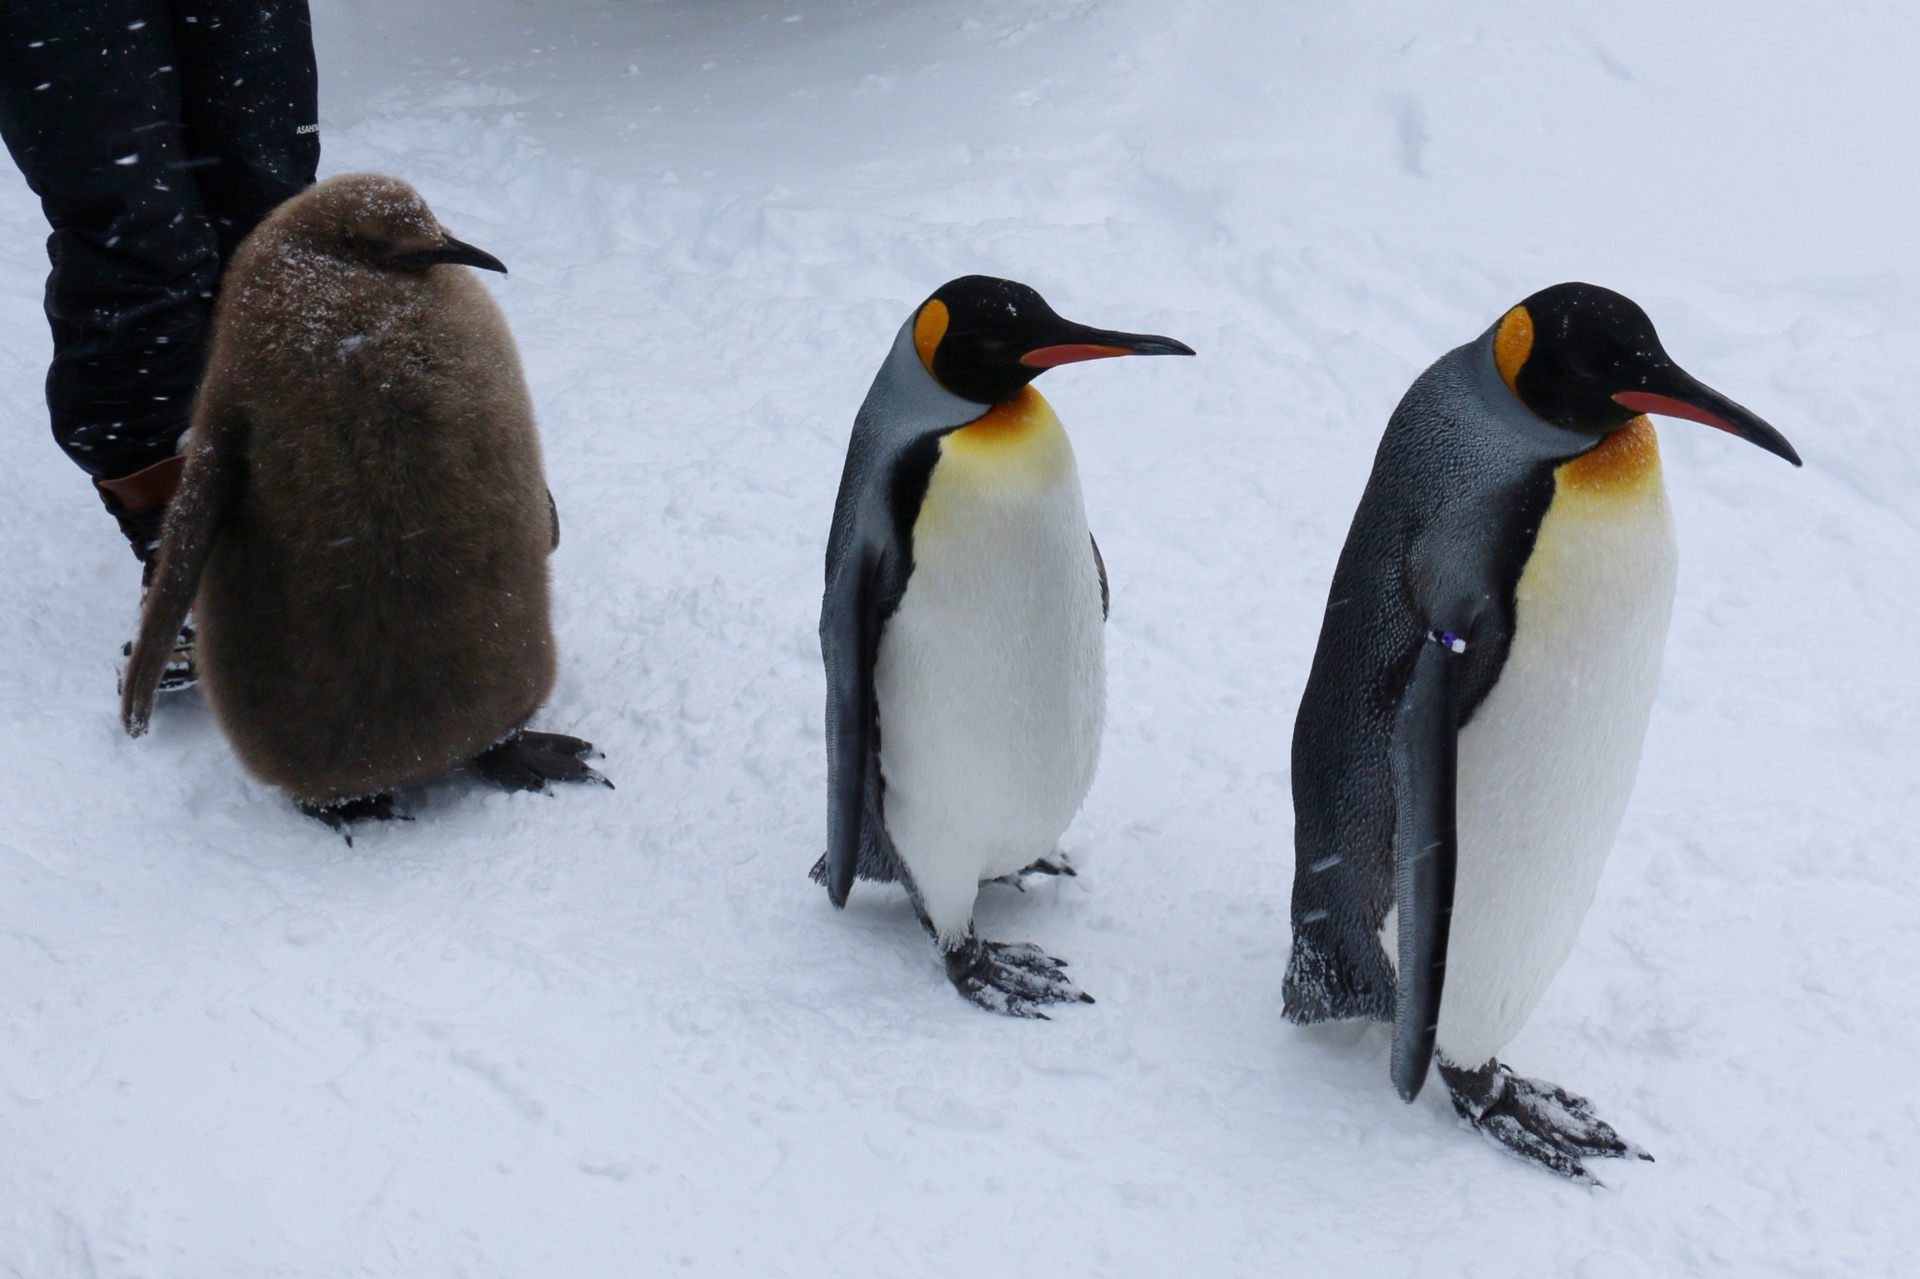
[[1667, 406], [1047, 357]]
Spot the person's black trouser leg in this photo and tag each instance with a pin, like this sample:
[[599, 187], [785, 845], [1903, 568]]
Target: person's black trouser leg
[[247, 104], [156, 134]]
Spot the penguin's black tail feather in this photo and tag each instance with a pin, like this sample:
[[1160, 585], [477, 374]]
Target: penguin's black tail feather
[[1319, 988], [876, 864]]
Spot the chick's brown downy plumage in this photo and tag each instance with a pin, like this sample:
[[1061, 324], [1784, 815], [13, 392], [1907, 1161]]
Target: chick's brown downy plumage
[[364, 525]]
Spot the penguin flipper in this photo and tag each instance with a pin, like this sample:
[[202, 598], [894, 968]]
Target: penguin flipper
[[209, 486], [849, 639], [1424, 856], [1100, 563]]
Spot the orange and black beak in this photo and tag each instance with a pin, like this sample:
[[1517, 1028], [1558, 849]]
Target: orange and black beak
[[1077, 342], [1672, 392]]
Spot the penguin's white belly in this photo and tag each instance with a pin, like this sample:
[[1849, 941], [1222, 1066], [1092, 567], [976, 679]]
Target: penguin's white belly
[[1548, 762], [991, 674]]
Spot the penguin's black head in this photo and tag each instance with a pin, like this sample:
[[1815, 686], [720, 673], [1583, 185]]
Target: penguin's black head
[[384, 223], [1587, 359], [983, 339]]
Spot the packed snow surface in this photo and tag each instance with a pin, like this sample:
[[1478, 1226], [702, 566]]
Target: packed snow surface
[[615, 1033]]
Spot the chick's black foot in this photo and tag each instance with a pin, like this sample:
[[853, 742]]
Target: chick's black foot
[[1535, 1120], [528, 761], [1053, 864], [1015, 978], [340, 814]]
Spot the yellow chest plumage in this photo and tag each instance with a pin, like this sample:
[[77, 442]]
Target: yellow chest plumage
[[1625, 465], [1547, 763], [1011, 453], [990, 679], [1609, 512]]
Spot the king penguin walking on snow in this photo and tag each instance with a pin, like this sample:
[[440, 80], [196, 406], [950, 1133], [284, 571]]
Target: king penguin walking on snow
[[961, 627], [1473, 720]]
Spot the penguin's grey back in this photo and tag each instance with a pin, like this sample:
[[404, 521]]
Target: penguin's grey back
[[1461, 480], [904, 407], [375, 608]]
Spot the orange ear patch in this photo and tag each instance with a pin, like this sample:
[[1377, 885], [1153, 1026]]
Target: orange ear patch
[[1512, 344], [928, 328], [1627, 457]]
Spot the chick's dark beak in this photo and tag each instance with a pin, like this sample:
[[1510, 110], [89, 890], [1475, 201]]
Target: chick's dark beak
[[1679, 394], [455, 252]]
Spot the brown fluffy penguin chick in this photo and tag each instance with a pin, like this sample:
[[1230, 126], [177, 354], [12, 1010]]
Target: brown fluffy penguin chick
[[363, 527]]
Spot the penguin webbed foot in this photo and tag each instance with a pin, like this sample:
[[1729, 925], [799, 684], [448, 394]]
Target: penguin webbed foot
[[339, 815], [1536, 1120], [526, 760], [1053, 864], [1014, 978]]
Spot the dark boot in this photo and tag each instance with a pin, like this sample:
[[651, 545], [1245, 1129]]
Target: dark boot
[[139, 503]]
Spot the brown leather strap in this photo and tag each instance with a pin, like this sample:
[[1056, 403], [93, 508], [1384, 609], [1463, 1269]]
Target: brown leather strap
[[145, 490]]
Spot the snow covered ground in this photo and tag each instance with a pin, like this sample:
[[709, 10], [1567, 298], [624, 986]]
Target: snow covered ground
[[618, 1033]]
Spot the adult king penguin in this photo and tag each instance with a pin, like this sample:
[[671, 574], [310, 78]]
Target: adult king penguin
[[1475, 712], [363, 526], [961, 626]]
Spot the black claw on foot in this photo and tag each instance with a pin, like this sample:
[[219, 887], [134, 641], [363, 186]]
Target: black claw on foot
[[1536, 1120], [1015, 978], [340, 814], [528, 761], [1053, 864]]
